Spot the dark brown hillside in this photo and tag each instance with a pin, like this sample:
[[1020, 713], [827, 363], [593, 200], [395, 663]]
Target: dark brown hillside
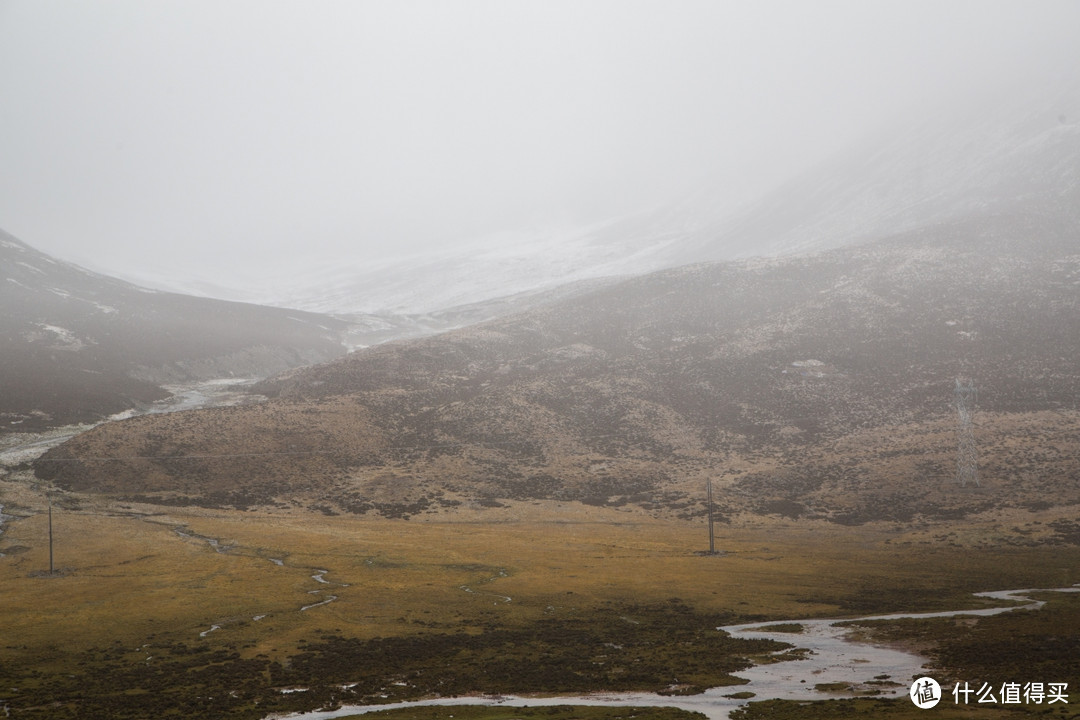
[[817, 386], [76, 346]]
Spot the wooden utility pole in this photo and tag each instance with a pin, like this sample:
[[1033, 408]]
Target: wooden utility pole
[[50, 534]]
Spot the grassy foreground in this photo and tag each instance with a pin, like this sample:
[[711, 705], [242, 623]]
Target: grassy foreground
[[149, 618]]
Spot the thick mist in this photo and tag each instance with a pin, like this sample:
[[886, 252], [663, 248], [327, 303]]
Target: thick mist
[[227, 141]]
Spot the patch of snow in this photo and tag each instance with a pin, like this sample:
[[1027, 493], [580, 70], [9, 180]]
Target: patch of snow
[[30, 267], [66, 339]]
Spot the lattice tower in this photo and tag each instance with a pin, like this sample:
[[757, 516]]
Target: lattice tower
[[967, 460]]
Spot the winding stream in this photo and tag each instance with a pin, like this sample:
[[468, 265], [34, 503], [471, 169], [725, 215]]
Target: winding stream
[[504, 598], [833, 658]]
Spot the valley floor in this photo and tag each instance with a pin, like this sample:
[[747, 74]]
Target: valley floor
[[214, 613]]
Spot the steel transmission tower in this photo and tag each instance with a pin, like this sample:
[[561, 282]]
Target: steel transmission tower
[[967, 461]]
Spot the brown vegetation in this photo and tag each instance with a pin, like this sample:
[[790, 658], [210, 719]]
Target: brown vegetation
[[813, 387]]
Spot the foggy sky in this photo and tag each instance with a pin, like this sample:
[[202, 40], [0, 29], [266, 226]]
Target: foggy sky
[[200, 137]]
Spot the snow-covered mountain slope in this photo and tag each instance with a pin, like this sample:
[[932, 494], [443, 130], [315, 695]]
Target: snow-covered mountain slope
[[76, 345], [497, 266], [1011, 149], [1002, 153], [367, 329]]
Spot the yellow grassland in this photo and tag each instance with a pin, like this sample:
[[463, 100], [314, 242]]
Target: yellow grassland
[[127, 575]]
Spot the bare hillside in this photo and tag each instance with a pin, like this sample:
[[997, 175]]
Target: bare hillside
[[77, 346], [816, 386]]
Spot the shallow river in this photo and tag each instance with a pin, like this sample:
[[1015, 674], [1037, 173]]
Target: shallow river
[[16, 448], [833, 658]]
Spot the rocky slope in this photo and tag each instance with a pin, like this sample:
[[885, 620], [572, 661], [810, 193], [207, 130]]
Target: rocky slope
[[812, 386]]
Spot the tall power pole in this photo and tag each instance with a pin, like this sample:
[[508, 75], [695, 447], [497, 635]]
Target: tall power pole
[[712, 537], [50, 535], [967, 460]]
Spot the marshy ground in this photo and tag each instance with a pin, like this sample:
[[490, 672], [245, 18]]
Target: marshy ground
[[549, 598]]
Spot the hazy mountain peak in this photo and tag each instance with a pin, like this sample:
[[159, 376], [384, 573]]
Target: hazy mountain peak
[[978, 155], [994, 155]]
